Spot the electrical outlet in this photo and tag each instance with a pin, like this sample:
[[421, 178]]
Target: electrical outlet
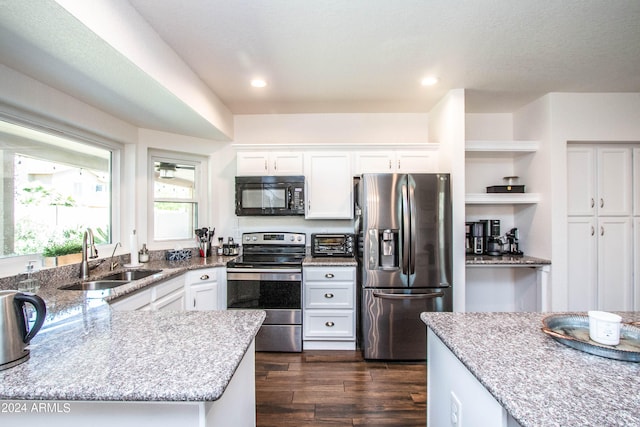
[[456, 411]]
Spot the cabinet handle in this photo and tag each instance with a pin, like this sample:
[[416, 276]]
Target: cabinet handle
[[329, 275], [398, 164], [266, 165], [601, 230], [204, 277], [593, 230], [194, 303], [329, 324], [328, 295], [275, 165], [593, 202], [390, 164], [602, 203]]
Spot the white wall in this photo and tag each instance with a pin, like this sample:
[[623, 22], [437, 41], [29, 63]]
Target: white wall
[[556, 119], [447, 128]]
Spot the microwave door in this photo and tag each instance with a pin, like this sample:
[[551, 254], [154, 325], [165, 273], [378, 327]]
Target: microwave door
[[274, 197]]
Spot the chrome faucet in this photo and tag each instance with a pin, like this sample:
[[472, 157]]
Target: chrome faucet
[[87, 243], [112, 264]]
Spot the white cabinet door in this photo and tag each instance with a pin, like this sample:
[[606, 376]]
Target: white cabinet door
[[202, 288], [582, 264], [581, 181], [172, 302], [614, 181], [329, 185], [636, 263], [374, 162], [140, 300], [287, 163], [252, 163], [636, 182], [416, 161], [615, 263]]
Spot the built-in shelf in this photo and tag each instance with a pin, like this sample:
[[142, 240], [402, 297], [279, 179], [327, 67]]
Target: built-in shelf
[[501, 198], [502, 146]]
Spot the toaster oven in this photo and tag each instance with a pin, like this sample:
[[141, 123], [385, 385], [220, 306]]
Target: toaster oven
[[334, 244]]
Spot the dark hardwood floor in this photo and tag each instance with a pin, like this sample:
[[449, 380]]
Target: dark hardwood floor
[[338, 388]]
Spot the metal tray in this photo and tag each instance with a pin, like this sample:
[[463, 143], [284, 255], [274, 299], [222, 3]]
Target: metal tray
[[573, 330]]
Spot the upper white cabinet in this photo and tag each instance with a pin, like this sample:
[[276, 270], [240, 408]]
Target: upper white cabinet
[[396, 161], [329, 185], [487, 163], [599, 181], [257, 163]]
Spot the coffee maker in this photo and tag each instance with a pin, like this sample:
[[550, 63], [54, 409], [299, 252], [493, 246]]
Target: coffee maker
[[513, 242], [494, 241]]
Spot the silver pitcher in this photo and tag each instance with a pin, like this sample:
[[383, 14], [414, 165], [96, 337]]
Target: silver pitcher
[[15, 332]]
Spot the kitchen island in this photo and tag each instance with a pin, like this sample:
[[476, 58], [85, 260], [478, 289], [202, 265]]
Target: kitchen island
[[500, 369], [92, 365]]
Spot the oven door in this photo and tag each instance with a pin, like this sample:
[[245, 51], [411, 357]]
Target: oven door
[[279, 293]]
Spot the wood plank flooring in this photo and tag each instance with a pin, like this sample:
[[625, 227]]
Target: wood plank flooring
[[338, 388]]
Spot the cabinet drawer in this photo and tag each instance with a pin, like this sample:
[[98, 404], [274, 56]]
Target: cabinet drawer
[[329, 295], [329, 324], [329, 273], [201, 276]]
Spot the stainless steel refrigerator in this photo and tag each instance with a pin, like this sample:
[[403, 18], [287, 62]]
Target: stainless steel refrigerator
[[404, 228]]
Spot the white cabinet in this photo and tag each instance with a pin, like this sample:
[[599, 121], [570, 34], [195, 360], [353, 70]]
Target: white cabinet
[[599, 181], [256, 163], [600, 246], [203, 288], [636, 181], [329, 308], [329, 185], [166, 295], [396, 161], [636, 262]]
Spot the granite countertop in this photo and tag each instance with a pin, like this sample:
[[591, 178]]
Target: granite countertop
[[536, 379], [505, 260], [87, 351], [311, 261]]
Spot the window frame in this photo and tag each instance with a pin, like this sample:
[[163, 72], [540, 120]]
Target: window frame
[[199, 196], [11, 265]]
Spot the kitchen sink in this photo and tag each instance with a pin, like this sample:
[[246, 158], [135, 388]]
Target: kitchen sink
[[130, 275], [111, 281], [95, 285]]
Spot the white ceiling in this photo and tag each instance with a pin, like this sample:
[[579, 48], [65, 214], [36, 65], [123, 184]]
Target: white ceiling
[[335, 55]]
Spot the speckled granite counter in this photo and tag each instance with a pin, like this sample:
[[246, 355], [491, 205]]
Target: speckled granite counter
[[329, 261], [505, 260], [86, 351], [539, 381]]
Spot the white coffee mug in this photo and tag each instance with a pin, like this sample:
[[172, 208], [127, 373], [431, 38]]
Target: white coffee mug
[[604, 327]]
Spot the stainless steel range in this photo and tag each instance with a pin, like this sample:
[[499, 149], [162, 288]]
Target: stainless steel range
[[268, 276]]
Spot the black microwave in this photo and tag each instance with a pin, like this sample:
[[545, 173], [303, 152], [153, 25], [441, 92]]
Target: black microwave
[[269, 195]]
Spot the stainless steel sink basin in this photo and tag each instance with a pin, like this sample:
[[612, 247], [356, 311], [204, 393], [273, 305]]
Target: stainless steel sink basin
[[130, 275], [111, 281], [96, 285]]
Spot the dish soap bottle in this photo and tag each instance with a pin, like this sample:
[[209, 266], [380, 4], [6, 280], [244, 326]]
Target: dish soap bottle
[[144, 253], [30, 284]]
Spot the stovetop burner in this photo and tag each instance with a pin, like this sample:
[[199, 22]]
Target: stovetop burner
[[271, 250]]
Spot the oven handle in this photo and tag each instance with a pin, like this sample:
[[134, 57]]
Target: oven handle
[[263, 270]]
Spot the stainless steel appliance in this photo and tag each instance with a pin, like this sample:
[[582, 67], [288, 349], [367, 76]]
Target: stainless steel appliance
[[268, 276], [15, 332], [336, 244], [269, 195], [404, 224]]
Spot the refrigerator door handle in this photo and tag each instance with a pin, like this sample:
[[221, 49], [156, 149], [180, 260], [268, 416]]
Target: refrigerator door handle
[[412, 230], [430, 295], [405, 230]]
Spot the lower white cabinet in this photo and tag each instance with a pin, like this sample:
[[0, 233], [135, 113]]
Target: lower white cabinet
[[600, 263], [329, 321], [203, 289], [166, 295]]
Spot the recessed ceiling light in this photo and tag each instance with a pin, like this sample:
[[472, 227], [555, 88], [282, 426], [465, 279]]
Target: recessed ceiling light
[[258, 83], [429, 81]]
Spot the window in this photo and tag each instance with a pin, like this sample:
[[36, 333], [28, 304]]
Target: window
[[176, 191], [54, 187]]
